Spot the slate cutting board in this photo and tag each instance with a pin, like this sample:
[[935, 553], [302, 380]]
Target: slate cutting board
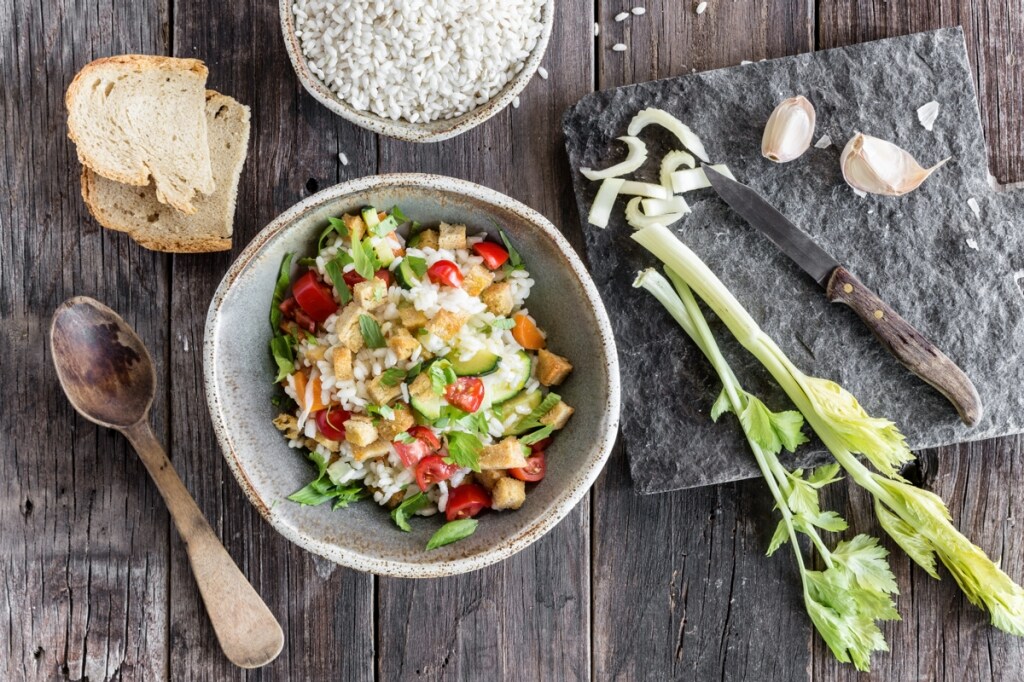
[[912, 250]]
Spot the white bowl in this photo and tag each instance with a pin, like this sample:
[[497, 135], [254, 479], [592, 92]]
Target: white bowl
[[239, 381], [433, 131]]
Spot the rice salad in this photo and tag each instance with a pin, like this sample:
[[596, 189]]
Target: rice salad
[[412, 372]]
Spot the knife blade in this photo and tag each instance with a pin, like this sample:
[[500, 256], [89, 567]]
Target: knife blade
[[898, 336]]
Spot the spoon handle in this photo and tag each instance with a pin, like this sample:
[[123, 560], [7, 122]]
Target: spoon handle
[[246, 629]]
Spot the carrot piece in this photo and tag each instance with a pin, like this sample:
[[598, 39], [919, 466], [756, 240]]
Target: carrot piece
[[526, 333], [300, 390]]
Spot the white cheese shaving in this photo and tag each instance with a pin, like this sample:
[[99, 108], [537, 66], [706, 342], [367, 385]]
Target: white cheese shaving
[[973, 203], [636, 157], [927, 114], [601, 209], [823, 143]]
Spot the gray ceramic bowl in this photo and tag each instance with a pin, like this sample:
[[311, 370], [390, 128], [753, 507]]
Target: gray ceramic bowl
[[434, 131], [239, 372]]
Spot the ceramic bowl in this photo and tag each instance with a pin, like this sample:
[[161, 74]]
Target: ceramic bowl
[[433, 131], [239, 381]]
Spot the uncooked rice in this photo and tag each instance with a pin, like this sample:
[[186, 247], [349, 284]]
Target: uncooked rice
[[417, 60]]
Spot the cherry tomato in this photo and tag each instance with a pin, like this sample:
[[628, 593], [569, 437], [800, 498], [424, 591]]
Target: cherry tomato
[[536, 467], [412, 453], [314, 297], [542, 444], [432, 469], [292, 314], [331, 423], [352, 278], [494, 256], [466, 501], [467, 393], [425, 434], [445, 272]]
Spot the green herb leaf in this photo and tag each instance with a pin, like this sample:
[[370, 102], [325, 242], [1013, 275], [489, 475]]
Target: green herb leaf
[[381, 410], [307, 262], [514, 259], [405, 437], [499, 323], [417, 264], [537, 436], [281, 286], [721, 406], [335, 269], [824, 475], [398, 215], [407, 508], [779, 538], [333, 225], [441, 376], [281, 349], [453, 531], [320, 490], [370, 330], [532, 420], [392, 376], [413, 372], [364, 258], [464, 449], [772, 430]]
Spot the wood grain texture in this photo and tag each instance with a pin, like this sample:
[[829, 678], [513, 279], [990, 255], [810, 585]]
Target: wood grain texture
[[83, 545], [326, 611], [527, 617]]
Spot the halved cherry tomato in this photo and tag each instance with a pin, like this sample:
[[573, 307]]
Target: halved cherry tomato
[[425, 434], [542, 444], [301, 380], [466, 501], [536, 467], [292, 313], [314, 297], [432, 469], [331, 423], [352, 278], [467, 393], [494, 256], [412, 453], [526, 333], [445, 272]]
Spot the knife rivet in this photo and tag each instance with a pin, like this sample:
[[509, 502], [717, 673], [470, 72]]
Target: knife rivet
[[848, 288], [879, 314]]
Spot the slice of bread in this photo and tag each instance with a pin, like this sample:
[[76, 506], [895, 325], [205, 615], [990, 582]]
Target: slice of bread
[[137, 211], [133, 117]]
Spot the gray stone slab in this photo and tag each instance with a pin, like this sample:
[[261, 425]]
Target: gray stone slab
[[912, 250]]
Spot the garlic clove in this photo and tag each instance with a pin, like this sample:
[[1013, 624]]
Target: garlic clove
[[789, 130], [880, 167]]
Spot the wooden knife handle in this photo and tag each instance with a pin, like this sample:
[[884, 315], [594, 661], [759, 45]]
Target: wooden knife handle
[[910, 347]]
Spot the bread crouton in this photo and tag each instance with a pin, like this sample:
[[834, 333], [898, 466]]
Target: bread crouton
[[360, 431], [507, 454], [331, 445], [342, 363], [421, 387], [381, 393], [403, 420], [288, 425], [498, 298], [347, 327], [476, 280], [402, 342], [488, 478], [508, 493], [552, 369], [411, 318], [427, 239], [356, 226], [378, 448], [370, 294], [446, 324], [557, 416], [452, 237]]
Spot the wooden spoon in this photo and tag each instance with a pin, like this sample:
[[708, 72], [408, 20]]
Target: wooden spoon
[[108, 376]]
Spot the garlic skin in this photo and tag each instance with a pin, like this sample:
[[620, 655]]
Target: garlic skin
[[789, 130], [879, 167]]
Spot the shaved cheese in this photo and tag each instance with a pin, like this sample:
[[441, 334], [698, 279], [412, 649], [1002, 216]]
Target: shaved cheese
[[645, 189], [638, 220], [657, 207], [673, 125], [601, 210], [694, 178], [671, 162], [636, 157]]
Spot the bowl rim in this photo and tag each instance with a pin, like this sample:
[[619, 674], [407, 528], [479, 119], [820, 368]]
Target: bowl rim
[[432, 131], [576, 488]]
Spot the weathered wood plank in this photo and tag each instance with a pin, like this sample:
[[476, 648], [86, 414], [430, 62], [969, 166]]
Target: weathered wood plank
[[326, 611], [83, 545], [682, 588], [994, 30], [526, 618]]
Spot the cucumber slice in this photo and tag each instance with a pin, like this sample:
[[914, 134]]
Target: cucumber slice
[[405, 274], [528, 399], [370, 217], [428, 406], [483, 363], [384, 252], [498, 391]]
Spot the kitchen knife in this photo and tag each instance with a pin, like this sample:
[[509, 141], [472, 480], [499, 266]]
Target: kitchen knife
[[899, 337]]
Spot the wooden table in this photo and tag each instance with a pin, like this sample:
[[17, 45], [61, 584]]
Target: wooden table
[[96, 584]]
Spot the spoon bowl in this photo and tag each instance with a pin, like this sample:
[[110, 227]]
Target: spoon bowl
[[102, 364]]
